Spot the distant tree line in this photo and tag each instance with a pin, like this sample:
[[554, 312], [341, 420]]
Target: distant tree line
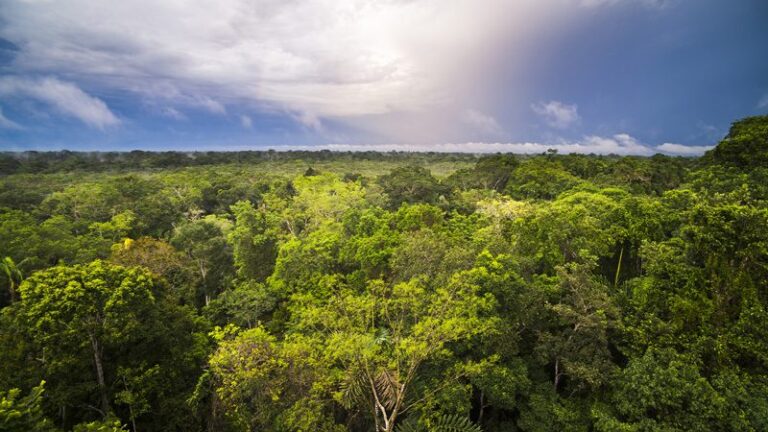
[[66, 161]]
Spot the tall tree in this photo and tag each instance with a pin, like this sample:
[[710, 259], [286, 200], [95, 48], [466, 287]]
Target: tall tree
[[118, 322]]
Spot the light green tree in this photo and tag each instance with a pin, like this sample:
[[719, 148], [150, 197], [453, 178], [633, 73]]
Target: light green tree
[[24, 414]]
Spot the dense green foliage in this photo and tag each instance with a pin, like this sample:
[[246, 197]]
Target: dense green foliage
[[385, 292]]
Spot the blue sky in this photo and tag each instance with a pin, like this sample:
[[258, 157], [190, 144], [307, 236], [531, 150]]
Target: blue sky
[[604, 76]]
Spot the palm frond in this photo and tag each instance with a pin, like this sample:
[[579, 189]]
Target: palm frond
[[443, 423], [455, 423], [410, 424], [387, 388], [354, 390]]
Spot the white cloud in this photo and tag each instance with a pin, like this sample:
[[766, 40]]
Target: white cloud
[[246, 121], [65, 97], [683, 150], [482, 122], [6, 123], [557, 114]]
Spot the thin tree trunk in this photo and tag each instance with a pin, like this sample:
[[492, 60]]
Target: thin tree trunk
[[618, 268], [212, 419], [100, 374], [133, 419], [482, 408], [130, 406], [379, 405], [203, 275]]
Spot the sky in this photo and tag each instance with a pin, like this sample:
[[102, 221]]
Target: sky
[[586, 76]]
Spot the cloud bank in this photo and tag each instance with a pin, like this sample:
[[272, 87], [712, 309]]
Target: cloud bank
[[683, 150], [619, 144]]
